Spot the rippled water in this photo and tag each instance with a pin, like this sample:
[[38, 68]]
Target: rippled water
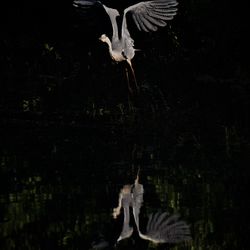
[[60, 184]]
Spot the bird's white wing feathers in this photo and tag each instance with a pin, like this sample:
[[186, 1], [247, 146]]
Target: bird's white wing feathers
[[163, 228], [85, 4], [148, 16]]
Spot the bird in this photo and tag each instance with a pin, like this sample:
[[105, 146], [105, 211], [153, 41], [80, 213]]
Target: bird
[[161, 227], [147, 15]]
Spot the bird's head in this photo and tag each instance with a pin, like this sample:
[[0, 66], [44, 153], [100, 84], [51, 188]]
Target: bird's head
[[103, 38]]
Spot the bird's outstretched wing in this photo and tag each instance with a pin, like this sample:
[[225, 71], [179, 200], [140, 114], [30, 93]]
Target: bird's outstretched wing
[[137, 192], [150, 15], [127, 230], [162, 228], [89, 10], [85, 4]]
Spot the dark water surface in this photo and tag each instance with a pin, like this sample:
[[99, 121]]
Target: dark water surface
[[68, 143], [59, 184]]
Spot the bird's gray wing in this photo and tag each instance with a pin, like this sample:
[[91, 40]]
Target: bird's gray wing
[[113, 13], [90, 12], [148, 16], [85, 4], [162, 228]]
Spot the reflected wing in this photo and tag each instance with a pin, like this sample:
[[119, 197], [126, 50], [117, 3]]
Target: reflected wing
[[148, 16], [125, 201], [162, 228], [126, 229], [137, 192]]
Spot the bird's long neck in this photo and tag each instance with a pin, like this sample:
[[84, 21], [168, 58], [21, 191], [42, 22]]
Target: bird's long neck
[[109, 45]]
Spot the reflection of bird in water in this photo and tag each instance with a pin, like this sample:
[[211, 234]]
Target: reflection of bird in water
[[147, 16], [161, 227]]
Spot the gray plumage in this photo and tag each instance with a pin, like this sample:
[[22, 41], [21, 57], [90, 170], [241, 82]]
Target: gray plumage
[[161, 227], [165, 228], [147, 16]]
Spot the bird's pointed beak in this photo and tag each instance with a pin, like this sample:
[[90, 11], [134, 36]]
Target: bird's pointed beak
[[101, 38]]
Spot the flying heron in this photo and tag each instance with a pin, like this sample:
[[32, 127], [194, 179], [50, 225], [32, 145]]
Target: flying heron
[[161, 227], [147, 16]]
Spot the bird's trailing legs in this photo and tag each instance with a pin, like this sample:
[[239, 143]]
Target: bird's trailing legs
[[130, 88], [133, 73], [128, 82]]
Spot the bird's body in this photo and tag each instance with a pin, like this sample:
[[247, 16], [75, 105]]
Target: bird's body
[[161, 227], [120, 48], [147, 16]]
